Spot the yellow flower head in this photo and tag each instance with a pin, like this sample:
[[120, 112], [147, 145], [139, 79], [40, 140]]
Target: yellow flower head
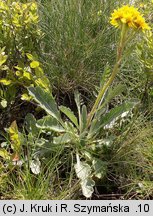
[[130, 16]]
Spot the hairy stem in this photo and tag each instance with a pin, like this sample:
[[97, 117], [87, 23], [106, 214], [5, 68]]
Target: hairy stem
[[111, 78]]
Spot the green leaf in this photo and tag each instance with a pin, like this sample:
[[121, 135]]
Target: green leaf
[[78, 102], [4, 154], [84, 173], [35, 166], [42, 143], [49, 123], [84, 117], [4, 67], [11, 93], [105, 75], [15, 137], [43, 82], [87, 187], [100, 168], [69, 114], [63, 139], [31, 124], [69, 127], [27, 75], [26, 97], [109, 117], [45, 101], [3, 58], [3, 103], [18, 68], [83, 170], [117, 112], [34, 64], [5, 81], [30, 56], [39, 72], [95, 126], [111, 94]]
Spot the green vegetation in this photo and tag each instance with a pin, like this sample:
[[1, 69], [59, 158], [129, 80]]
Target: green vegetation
[[76, 99]]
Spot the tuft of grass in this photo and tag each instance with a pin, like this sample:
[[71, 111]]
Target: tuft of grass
[[131, 164], [56, 179], [78, 42]]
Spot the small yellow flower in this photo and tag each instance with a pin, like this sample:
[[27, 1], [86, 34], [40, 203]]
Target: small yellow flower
[[130, 16]]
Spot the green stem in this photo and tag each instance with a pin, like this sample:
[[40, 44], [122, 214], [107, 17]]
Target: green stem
[[111, 78]]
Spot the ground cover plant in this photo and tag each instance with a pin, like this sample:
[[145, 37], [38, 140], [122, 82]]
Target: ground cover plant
[[79, 73]]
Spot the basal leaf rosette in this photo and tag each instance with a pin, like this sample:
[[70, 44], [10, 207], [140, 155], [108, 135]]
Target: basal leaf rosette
[[130, 16]]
